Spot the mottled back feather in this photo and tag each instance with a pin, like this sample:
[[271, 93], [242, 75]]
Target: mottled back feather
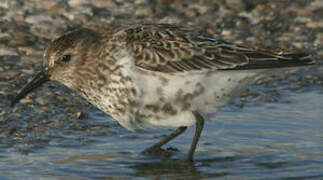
[[169, 48]]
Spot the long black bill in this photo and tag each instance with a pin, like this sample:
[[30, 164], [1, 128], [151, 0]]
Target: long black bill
[[37, 81]]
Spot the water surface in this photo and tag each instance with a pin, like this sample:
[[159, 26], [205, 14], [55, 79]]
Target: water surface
[[259, 141]]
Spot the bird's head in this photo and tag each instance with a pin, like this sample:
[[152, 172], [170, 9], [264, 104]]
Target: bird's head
[[62, 59]]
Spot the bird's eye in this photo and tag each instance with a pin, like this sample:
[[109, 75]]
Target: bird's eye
[[66, 58]]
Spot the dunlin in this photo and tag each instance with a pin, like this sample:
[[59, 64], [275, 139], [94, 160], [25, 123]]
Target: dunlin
[[155, 74]]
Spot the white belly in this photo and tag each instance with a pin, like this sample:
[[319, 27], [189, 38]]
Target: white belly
[[164, 99], [168, 100]]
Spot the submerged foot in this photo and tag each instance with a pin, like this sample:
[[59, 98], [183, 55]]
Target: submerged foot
[[160, 151]]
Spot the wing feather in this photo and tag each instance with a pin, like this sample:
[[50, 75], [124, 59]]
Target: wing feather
[[168, 48]]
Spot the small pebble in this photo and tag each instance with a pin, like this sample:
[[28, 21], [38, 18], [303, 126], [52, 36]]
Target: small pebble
[[26, 100], [79, 115], [8, 52]]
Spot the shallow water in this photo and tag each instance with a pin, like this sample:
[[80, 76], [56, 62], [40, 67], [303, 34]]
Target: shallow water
[[259, 141]]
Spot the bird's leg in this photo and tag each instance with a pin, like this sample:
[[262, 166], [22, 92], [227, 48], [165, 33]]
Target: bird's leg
[[198, 131], [174, 134]]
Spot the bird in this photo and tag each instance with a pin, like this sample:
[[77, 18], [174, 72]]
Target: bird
[[156, 75]]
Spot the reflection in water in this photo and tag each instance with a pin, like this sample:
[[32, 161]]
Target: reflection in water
[[172, 169]]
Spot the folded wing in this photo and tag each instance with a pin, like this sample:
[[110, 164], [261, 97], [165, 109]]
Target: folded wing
[[168, 48]]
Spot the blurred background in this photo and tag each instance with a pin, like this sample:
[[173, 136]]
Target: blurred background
[[273, 130]]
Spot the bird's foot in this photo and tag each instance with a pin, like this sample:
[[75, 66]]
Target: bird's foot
[[157, 151]]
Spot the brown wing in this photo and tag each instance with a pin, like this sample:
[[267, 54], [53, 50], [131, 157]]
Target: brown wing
[[167, 48]]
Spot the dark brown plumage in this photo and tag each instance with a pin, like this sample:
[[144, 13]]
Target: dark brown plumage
[[169, 48]]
